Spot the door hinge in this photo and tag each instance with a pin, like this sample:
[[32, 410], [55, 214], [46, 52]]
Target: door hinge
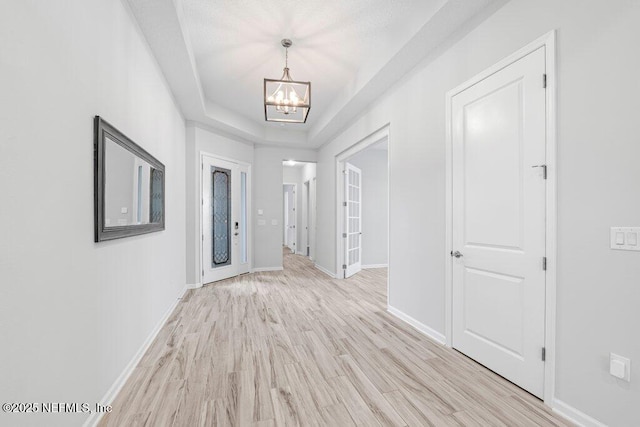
[[344, 203], [344, 266], [203, 272], [544, 263], [544, 354], [203, 237], [544, 170], [544, 81], [344, 235]]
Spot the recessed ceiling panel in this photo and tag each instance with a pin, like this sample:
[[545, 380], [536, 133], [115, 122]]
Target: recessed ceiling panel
[[236, 44]]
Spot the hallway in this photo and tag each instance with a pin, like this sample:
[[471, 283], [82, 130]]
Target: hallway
[[297, 348]]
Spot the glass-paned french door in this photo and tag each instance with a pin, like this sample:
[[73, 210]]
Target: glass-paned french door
[[353, 220], [225, 219]]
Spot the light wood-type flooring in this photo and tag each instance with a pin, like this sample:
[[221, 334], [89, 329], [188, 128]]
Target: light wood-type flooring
[[297, 348]]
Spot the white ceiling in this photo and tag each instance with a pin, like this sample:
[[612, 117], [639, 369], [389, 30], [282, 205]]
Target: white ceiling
[[216, 53], [297, 165], [236, 44]]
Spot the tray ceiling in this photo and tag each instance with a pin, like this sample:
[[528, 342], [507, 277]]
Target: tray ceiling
[[216, 53]]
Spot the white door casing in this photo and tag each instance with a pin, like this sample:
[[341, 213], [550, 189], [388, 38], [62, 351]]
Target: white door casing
[[290, 226], [353, 220], [312, 220], [244, 235], [306, 217], [225, 239], [498, 130]]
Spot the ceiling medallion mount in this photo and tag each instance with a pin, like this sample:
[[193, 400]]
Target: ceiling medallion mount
[[286, 100]]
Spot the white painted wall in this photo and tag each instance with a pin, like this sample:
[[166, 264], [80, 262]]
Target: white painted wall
[[375, 204], [73, 313], [201, 140], [267, 181], [598, 93]]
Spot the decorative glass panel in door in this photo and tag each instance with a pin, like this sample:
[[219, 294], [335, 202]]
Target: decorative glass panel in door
[[221, 185]]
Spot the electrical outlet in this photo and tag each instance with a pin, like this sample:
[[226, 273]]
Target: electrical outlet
[[620, 367]]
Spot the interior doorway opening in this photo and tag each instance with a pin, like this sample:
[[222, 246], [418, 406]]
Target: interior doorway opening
[[363, 206], [289, 212], [299, 207]]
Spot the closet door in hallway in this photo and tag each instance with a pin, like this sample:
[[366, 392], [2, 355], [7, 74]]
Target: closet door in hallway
[[498, 135], [225, 219]]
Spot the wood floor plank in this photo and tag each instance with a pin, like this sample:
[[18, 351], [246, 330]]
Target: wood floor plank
[[356, 406], [286, 413], [297, 348], [376, 402], [337, 415]]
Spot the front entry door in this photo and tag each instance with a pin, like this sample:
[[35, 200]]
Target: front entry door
[[353, 220], [498, 135], [225, 224]]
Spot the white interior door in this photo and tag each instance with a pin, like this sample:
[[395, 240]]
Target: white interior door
[[498, 135], [290, 216], [353, 220], [285, 217], [225, 219], [306, 215]]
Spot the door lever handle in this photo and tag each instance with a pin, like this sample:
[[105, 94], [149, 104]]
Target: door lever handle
[[456, 254]]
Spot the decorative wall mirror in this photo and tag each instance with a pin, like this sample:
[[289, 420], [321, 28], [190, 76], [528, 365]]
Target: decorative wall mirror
[[129, 186]]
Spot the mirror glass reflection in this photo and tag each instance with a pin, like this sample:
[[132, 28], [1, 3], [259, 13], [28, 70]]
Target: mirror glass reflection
[[133, 188]]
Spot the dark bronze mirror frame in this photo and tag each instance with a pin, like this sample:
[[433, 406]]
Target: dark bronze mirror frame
[[103, 129]]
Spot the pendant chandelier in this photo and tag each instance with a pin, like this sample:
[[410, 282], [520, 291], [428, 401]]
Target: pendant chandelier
[[286, 100]]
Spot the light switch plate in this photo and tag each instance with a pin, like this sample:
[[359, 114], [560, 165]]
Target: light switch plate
[[274, 222], [260, 212], [625, 238], [620, 367], [262, 222]]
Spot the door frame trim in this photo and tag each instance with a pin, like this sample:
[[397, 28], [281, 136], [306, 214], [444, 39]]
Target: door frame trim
[[199, 238], [549, 42], [341, 158]]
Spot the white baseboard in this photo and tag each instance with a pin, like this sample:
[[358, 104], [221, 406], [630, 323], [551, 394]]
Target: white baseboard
[[193, 285], [115, 388], [431, 333], [301, 253], [260, 269], [325, 271], [364, 267], [575, 416]]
